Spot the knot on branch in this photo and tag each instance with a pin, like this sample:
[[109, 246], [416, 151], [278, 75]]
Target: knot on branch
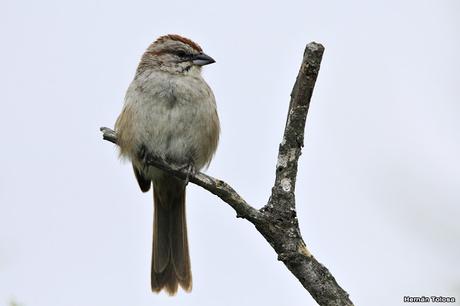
[[295, 258]]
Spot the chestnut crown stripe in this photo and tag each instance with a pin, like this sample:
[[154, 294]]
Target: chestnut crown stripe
[[181, 39]]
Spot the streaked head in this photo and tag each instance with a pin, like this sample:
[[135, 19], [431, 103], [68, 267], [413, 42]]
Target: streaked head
[[174, 54]]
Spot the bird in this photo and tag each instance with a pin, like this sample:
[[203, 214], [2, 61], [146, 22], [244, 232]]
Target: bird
[[169, 112]]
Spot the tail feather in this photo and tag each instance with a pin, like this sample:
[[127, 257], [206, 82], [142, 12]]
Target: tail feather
[[180, 254], [170, 256]]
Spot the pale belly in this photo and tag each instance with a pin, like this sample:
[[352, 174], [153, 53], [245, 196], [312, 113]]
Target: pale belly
[[177, 121]]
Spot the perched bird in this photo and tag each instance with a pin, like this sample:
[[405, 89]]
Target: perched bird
[[169, 112]]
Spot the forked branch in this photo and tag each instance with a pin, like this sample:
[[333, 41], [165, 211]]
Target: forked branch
[[277, 220]]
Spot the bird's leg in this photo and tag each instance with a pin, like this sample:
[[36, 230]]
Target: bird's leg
[[190, 169], [146, 157], [143, 156]]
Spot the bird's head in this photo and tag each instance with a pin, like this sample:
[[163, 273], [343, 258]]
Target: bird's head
[[175, 54]]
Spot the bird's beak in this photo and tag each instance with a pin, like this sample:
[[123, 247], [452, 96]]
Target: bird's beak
[[202, 59]]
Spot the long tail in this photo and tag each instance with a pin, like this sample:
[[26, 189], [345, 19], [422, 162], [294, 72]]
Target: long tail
[[170, 256]]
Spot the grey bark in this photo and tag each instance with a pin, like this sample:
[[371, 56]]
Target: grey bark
[[277, 220]]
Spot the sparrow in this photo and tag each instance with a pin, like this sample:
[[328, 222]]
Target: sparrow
[[169, 112]]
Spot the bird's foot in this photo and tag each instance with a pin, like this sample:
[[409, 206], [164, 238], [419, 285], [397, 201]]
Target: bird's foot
[[146, 157], [143, 155], [191, 171]]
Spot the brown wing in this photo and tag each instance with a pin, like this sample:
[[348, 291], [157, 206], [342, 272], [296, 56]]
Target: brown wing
[[144, 183]]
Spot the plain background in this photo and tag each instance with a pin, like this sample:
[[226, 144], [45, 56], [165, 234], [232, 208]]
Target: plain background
[[378, 187]]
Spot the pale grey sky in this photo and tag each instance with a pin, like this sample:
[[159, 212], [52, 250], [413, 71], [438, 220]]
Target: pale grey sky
[[378, 188]]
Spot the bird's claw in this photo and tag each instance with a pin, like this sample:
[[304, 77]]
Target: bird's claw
[[146, 157], [143, 155], [191, 171]]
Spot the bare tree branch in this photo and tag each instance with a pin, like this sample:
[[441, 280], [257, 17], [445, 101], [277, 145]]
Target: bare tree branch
[[277, 221], [284, 233]]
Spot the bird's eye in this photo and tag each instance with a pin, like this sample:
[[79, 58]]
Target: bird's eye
[[181, 53]]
